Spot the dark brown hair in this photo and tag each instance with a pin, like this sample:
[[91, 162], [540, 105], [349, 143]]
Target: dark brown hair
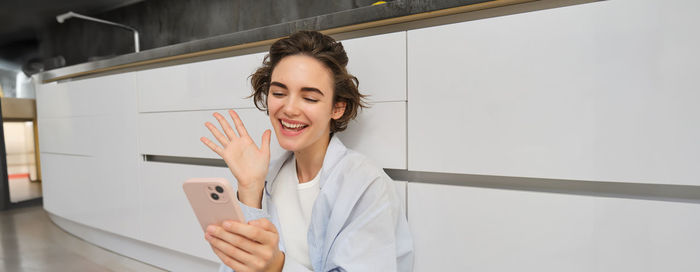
[[324, 49]]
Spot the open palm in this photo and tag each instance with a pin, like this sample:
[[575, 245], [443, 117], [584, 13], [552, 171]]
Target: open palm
[[248, 163]]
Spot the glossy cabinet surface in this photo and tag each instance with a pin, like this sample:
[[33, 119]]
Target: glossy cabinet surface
[[574, 92], [379, 62], [166, 217], [382, 128], [87, 137], [458, 228], [207, 85]]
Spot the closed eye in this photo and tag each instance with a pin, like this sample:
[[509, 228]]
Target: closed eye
[[311, 100]]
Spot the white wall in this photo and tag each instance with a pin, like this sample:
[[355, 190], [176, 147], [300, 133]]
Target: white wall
[[599, 92]]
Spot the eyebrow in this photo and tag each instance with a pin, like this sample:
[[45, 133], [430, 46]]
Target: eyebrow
[[303, 89]]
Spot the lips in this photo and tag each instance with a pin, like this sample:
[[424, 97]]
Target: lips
[[291, 125]]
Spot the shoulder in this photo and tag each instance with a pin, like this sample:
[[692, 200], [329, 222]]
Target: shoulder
[[360, 176], [357, 164]]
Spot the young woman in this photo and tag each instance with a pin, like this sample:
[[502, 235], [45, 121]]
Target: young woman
[[320, 206]]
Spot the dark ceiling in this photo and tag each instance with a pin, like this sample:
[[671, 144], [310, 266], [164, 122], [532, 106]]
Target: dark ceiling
[[21, 21]]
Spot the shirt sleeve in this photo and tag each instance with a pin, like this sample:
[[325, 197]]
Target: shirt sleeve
[[251, 213]]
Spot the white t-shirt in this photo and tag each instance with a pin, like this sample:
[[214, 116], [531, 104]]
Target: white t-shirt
[[294, 202]]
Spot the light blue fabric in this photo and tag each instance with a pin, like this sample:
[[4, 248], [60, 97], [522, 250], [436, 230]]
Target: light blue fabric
[[357, 223]]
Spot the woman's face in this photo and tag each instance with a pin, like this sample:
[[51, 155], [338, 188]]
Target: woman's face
[[300, 102]]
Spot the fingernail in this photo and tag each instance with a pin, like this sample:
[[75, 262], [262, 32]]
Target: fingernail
[[227, 225], [210, 229]]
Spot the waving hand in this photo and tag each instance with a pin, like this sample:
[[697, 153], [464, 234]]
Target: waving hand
[[247, 162]]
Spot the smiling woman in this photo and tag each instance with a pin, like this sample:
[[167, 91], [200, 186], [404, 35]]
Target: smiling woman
[[320, 206]]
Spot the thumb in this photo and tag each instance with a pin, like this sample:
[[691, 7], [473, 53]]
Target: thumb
[[265, 147]]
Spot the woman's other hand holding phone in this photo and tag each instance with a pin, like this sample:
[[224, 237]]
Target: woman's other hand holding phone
[[247, 247], [248, 163]]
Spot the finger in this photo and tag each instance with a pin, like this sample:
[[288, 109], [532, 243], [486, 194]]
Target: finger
[[254, 233], [264, 224], [238, 123], [212, 145], [217, 134], [228, 260], [235, 239], [227, 250], [225, 126], [265, 147]]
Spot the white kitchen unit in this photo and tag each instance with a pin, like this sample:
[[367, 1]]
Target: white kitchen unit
[[379, 63], [207, 85], [87, 138], [460, 228], [604, 91]]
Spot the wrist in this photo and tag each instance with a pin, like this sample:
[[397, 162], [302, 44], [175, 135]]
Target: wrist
[[277, 262], [251, 198]]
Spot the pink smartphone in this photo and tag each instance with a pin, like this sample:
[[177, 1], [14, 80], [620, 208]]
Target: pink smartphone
[[212, 200]]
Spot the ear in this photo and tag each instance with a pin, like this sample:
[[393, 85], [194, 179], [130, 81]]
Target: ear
[[338, 110]]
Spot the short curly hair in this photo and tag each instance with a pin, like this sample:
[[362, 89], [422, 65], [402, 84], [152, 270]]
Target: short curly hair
[[324, 49]]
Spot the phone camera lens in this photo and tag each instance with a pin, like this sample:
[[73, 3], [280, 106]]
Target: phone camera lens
[[214, 196], [219, 189]]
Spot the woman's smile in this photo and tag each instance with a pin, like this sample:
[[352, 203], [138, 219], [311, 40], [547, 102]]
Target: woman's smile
[[291, 127]]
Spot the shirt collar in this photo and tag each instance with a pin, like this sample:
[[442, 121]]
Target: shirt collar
[[335, 151]]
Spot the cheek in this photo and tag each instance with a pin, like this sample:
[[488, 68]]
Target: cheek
[[273, 105], [320, 114]]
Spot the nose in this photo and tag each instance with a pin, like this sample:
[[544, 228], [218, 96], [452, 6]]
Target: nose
[[291, 106]]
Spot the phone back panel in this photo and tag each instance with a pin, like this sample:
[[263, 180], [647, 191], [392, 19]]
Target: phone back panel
[[211, 209]]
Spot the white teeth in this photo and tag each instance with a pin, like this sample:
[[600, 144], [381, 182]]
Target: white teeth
[[292, 125]]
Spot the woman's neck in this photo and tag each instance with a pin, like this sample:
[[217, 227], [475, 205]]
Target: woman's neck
[[310, 160]]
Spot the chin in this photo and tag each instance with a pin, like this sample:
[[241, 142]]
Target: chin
[[286, 143]]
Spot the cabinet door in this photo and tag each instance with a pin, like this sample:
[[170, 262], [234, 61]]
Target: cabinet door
[[178, 133], [379, 133], [601, 91], [165, 212], [87, 135], [206, 85], [459, 228], [379, 63]]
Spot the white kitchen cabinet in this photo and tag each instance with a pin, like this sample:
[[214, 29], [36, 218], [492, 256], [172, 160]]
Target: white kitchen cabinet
[[604, 91], [459, 228]]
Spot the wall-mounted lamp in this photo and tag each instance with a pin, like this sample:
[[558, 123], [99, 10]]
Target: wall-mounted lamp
[[70, 14]]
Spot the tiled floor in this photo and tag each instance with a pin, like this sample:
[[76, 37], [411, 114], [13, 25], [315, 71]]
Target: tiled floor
[[29, 241]]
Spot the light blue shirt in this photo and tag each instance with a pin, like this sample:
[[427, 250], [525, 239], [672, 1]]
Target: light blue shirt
[[357, 223]]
